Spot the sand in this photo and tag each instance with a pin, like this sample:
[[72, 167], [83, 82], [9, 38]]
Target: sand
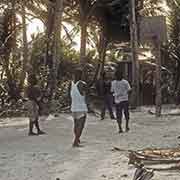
[[51, 156]]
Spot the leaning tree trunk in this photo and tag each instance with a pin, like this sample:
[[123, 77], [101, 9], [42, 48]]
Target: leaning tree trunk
[[25, 46], [101, 48]]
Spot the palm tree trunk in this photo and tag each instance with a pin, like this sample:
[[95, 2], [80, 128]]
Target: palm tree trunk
[[135, 63], [83, 41], [56, 44], [177, 78], [102, 54], [10, 44], [25, 46], [158, 80]]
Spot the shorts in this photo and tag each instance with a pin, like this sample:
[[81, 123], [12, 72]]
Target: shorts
[[78, 115], [79, 124]]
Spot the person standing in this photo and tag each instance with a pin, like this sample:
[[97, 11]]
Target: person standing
[[121, 88], [107, 97], [34, 96], [79, 108]]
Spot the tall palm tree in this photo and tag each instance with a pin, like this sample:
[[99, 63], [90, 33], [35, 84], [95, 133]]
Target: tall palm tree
[[174, 45], [54, 37], [25, 45], [86, 8]]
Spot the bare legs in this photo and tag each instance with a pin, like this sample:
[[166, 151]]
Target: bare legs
[[122, 106], [31, 126], [78, 129]]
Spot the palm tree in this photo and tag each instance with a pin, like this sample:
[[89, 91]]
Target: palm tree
[[25, 45], [174, 45], [86, 8], [54, 36]]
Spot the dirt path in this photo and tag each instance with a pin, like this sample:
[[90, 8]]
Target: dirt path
[[50, 156]]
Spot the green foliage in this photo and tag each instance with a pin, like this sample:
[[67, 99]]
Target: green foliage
[[152, 8], [100, 17], [69, 53], [38, 58]]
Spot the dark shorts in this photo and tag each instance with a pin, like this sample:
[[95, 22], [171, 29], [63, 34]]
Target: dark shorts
[[120, 108], [79, 123], [33, 110], [78, 115]]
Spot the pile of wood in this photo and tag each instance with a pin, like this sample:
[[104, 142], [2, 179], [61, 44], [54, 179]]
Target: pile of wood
[[156, 159]]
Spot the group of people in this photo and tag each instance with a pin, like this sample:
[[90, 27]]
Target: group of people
[[115, 91]]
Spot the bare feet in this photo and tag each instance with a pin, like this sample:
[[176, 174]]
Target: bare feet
[[127, 129], [77, 145]]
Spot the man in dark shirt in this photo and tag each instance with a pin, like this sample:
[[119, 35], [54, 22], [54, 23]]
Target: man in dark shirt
[[107, 97]]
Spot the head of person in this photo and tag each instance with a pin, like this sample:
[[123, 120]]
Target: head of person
[[77, 74], [118, 75]]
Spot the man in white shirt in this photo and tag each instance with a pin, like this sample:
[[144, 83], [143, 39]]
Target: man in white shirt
[[121, 88]]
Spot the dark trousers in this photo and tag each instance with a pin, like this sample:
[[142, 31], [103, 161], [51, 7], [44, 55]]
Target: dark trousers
[[107, 104], [120, 107]]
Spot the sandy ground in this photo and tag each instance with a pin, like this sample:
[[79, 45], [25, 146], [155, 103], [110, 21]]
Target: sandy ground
[[51, 156]]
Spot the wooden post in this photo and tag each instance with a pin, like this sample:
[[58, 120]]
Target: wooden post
[[135, 64], [158, 77]]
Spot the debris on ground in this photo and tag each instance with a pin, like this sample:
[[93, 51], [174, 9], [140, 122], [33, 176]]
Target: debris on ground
[[171, 112], [114, 149], [142, 173]]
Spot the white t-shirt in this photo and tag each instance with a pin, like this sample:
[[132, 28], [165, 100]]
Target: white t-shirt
[[78, 103], [120, 90]]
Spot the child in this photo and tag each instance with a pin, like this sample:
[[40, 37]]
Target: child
[[78, 105], [121, 88], [34, 96]]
